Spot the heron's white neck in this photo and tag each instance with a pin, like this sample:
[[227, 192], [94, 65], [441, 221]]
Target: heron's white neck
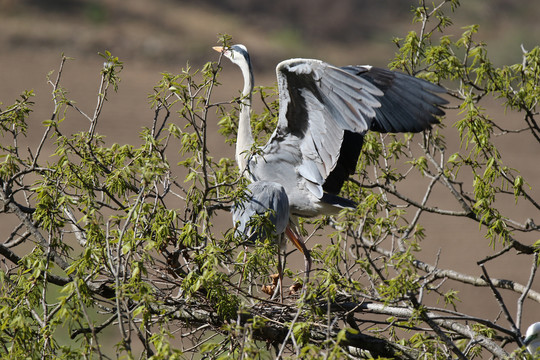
[[244, 140]]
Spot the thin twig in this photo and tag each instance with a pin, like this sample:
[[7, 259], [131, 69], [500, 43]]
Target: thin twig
[[523, 296], [500, 300]]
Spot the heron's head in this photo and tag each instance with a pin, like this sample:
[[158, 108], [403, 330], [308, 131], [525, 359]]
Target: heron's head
[[532, 338], [238, 54]]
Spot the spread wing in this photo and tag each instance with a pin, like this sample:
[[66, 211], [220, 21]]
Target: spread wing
[[326, 110]]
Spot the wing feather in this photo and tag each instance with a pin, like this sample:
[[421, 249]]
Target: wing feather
[[262, 196], [320, 103]]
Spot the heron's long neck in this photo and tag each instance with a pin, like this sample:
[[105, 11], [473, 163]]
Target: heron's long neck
[[244, 140]]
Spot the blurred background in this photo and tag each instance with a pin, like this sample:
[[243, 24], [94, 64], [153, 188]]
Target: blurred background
[[164, 35], [157, 36]]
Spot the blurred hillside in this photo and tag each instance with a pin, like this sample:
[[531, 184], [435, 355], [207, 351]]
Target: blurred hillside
[[164, 35], [173, 31], [350, 22]]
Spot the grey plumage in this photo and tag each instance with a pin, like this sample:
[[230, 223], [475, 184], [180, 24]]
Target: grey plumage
[[324, 109], [324, 113], [532, 338], [262, 198]]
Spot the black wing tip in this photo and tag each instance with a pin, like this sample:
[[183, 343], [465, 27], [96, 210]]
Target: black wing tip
[[338, 201], [414, 101]]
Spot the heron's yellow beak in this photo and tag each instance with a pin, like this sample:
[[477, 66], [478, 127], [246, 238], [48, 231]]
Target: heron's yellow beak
[[219, 48]]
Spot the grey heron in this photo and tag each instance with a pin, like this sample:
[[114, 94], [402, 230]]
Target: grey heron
[[267, 198], [532, 338], [324, 114]]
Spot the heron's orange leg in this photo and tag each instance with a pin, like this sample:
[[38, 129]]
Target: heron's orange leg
[[297, 240]]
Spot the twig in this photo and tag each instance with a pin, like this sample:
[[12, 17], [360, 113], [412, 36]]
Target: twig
[[494, 256], [55, 111], [500, 300], [525, 292], [446, 273], [436, 328], [289, 333]]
